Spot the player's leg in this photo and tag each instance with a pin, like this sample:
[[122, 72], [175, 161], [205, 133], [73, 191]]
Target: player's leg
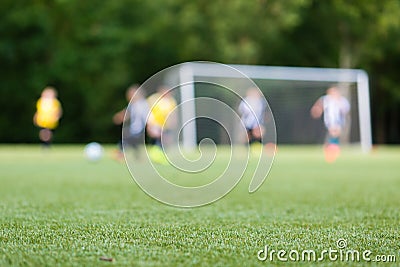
[[255, 140], [155, 149], [256, 135], [332, 148], [334, 135], [133, 141], [46, 136]]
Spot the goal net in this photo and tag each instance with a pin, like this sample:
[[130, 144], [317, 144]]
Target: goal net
[[290, 92]]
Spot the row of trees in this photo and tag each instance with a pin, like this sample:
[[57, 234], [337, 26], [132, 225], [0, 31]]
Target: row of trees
[[92, 50]]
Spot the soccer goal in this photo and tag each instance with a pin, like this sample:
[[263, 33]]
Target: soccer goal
[[290, 92]]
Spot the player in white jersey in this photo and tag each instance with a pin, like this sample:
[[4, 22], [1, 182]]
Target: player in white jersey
[[335, 108], [134, 118], [252, 111]]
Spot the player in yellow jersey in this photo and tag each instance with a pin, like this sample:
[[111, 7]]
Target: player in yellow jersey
[[161, 120], [48, 113]]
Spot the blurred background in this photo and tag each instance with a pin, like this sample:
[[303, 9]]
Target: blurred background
[[91, 51]]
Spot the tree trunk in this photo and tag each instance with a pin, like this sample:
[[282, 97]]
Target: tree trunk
[[345, 62]]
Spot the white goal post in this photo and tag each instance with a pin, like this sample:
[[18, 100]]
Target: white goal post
[[189, 71]]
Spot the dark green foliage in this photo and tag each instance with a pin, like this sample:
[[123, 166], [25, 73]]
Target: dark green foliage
[[91, 51]]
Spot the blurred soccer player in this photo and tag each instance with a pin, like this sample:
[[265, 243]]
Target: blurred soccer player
[[134, 118], [252, 110], [161, 120], [48, 112], [335, 107]]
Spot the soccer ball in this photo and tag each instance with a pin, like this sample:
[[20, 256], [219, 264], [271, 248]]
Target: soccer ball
[[93, 151]]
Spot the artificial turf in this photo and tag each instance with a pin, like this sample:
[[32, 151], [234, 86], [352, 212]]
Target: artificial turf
[[58, 209]]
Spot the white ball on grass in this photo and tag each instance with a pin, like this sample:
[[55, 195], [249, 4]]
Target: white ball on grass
[[93, 151]]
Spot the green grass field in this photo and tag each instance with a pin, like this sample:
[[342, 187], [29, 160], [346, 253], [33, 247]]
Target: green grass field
[[56, 208]]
